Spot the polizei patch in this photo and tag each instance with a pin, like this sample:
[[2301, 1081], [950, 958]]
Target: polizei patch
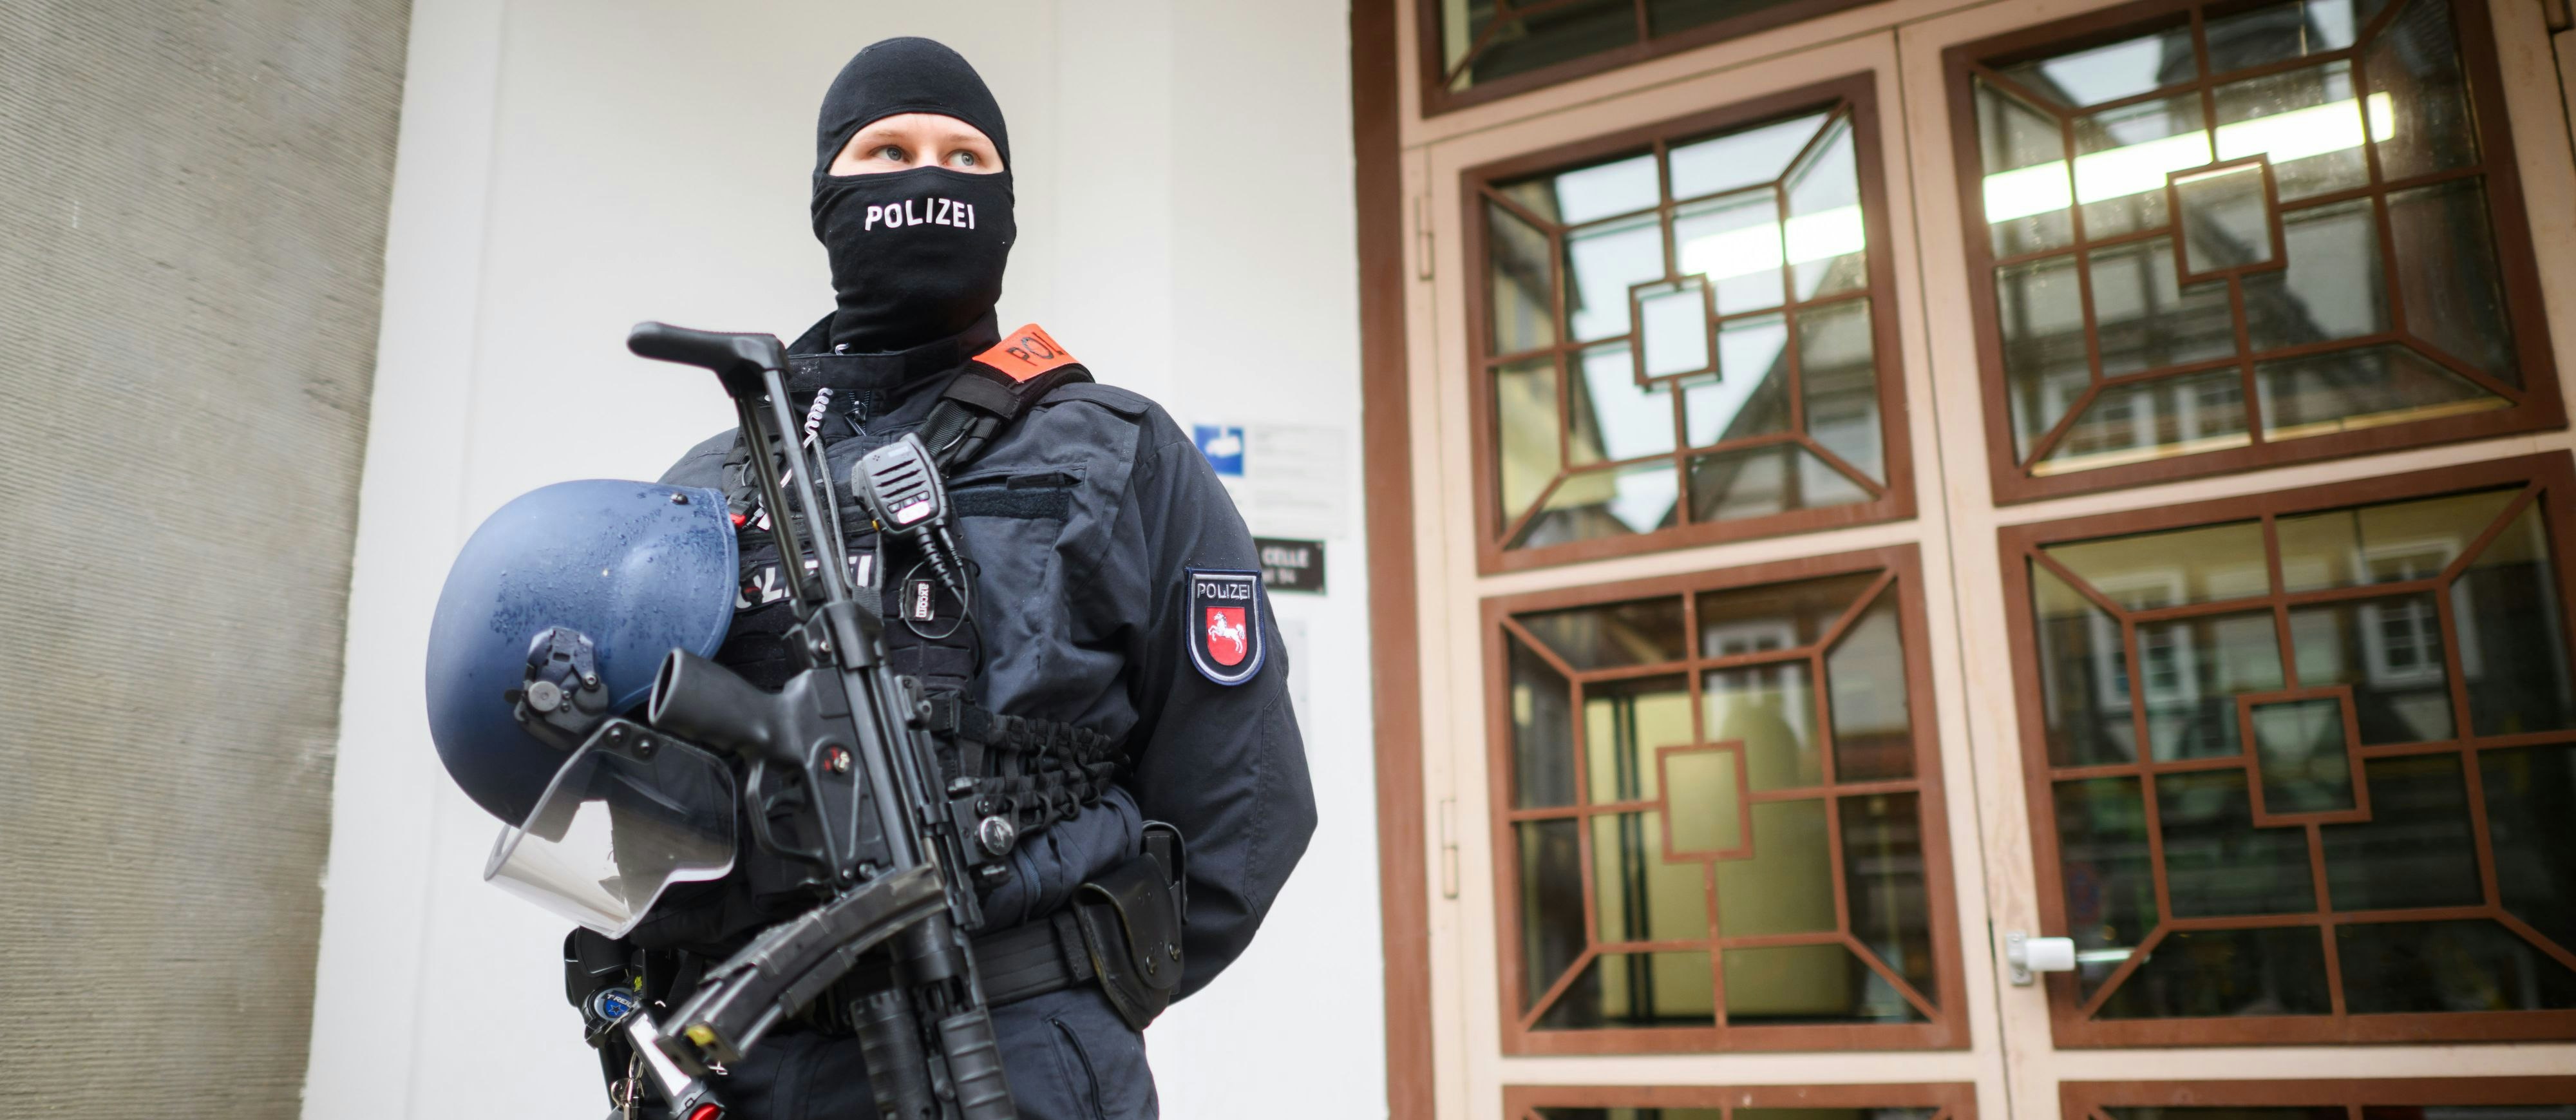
[[1224, 624]]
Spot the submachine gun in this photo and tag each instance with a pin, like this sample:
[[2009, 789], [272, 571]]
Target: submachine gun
[[841, 779]]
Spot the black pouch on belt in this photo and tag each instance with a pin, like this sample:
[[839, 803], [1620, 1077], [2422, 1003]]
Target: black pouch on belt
[[1130, 920]]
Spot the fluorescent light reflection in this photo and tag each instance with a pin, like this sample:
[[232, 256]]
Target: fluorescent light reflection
[[2138, 168], [2041, 188]]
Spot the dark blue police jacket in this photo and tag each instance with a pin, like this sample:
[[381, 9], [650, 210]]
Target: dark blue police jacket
[[1082, 586]]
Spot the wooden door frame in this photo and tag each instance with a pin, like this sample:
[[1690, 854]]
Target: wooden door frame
[[1386, 454], [1396, 254]]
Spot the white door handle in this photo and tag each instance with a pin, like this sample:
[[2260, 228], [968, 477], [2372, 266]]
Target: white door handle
[[2028, 956]]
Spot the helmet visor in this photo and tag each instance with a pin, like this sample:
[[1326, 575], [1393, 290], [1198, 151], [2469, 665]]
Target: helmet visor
[[619, 825]]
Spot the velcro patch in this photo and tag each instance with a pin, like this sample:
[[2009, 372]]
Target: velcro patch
[[1025, 353], [1223, 626]]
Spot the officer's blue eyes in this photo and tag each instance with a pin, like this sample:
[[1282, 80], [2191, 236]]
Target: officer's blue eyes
[[894, 153]]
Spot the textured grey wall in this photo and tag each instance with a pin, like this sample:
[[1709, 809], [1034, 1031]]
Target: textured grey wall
[[192, 217]]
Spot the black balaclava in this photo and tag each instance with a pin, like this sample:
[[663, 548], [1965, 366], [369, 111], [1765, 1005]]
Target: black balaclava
[[917, 255]]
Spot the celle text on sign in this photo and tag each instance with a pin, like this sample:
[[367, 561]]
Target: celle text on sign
[[1291, 565]]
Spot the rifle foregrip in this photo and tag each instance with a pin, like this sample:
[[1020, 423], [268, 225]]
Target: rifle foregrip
[[975, 1066], [890, 1044]]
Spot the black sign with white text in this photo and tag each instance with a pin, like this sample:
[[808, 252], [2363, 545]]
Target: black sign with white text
[[1288, 565]]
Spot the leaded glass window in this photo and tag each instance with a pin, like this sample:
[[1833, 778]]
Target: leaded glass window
[[1500, 46], [1690, 339], [2310, 763], [2224, 237], [1723, 811]]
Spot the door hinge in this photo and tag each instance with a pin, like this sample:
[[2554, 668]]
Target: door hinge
[[1448, 847], [1422, 237]]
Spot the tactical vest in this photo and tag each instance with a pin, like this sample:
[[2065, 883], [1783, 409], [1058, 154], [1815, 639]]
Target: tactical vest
[[1034, 771]]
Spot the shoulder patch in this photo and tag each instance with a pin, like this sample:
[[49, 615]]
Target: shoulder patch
[[1223, 626], [1025, 353]]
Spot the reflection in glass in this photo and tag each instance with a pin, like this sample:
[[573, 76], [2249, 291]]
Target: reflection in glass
[[2136, 422], [1776, 616], [1554, 33], [1542, 731], [2533, 835], [2226, 218], [1838, 371], [2309, 121], [2316, 125], [2473, 965], [2173, 568], [2122, 155], [1750, 396], [1759, 481], [2389, 651], [2107, 73], [1520, 281], [2083, 674], [1735, 240], [2232, 972], [1602, 190], [1639, 894], [2217, 864], [1707, 802], [1675, 989], [1808, 984], [1687, 336], [1525, 417], [1602, 262], [2512, 629], [2278, 33], [1672, 321], [2041, 308], [2027, 193], [1637, 498], [1551, 864], [1771, 709], [2424, 124], [2193, 669], [2348, 390], [1865, 681], [2300, 751], [2415, 850], [1623, 722], [1612, 635], [2147, 320], [1883, 868], [2447, 275], [1718, 822], [2386, 542], [2109, 878], [2453, 592], [1787, 885], [1825, 242], [1614, 419], [1752, 157], [2333, 287]]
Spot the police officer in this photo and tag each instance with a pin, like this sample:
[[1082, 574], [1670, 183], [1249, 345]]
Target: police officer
[[1114, 617]]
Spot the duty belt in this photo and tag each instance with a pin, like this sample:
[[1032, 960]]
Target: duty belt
[[1122, 930]]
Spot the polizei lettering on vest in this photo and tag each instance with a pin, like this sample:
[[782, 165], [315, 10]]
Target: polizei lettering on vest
[[919, 211], [1225, 589]]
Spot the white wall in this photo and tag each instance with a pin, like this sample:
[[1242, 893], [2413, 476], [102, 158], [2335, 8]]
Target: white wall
[[572, 166]]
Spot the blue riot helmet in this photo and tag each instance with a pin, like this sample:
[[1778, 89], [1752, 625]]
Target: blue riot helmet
[[603, 579]]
